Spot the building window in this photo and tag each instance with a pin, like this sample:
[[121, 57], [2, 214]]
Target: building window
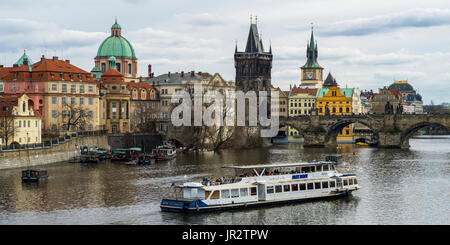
[[54, 127], [64, 100], [54, 100], [129, 68], [118, 66], [91, 101], [54, 113], [73, 100], [64, 88], [73, 88], [91, 89], [54, 87], [91, 127], [81, 101]]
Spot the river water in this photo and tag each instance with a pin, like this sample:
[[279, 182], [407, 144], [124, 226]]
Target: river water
[[398, 187]]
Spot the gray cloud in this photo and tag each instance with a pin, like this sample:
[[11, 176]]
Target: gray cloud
[[409, 18]]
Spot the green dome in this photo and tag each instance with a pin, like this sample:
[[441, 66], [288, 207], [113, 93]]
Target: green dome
[[116, 46], [116, 26]]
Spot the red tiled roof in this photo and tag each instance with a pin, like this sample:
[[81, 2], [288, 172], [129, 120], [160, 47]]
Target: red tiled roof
[[311, 91]]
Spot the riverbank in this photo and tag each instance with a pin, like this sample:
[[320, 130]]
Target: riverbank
[[51, 154]]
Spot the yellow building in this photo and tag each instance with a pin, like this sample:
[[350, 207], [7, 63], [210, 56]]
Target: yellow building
[[332, 100], [301, 103], [19, 123]]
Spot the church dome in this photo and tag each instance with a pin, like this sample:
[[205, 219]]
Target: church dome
[[401, 86], [116, 45]]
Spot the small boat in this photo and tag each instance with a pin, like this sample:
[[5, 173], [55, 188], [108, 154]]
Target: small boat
[[34, 175], [146, 158], [362, 144], [260, 185], [164, 152], [132, 162]]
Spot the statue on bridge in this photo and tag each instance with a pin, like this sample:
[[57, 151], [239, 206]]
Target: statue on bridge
[[388, 108], [327, 110]]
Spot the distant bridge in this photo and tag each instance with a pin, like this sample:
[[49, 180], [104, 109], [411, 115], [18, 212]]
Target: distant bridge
[[390, 130]]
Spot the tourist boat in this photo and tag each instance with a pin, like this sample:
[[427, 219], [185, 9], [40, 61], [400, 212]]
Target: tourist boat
[[34, 175], [91, 156], [118, 155], [262, 185], [164, 152]]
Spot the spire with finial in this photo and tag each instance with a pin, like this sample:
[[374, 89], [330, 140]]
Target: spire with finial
[[116, 30], [311, 52]]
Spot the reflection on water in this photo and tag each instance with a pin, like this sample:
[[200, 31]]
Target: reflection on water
[[398, 187]]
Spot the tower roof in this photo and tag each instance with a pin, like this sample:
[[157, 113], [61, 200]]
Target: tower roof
[[254, 44], [116, 45], [312, 53], [22, 58], [330, 81]]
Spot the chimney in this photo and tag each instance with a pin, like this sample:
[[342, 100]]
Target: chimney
[[182, 73], [55, 58], [149, 70], [192, 73], [67, 61], [199, 73], [1, 66], [168, 73]]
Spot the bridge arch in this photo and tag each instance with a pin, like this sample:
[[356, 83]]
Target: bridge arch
[[408, 133], [336, 128]]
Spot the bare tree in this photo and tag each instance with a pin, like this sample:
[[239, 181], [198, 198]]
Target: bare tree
[[147, 117], [7, 128], [75, 116]]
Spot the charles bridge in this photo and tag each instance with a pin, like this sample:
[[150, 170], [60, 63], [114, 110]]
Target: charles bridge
[[389, 130]]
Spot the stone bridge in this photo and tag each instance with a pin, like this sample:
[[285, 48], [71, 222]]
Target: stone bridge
[[389, 130]]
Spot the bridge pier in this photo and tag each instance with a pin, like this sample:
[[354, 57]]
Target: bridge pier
[[391, 140], [314, 139]]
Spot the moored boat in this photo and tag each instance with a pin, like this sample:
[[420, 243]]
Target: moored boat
[[34, 175], [164, 152], [260, 185]]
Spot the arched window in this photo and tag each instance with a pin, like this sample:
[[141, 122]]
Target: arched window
[[23, 106]]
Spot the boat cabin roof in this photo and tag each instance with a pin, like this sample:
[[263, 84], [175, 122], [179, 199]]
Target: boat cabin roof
[[280, 165]]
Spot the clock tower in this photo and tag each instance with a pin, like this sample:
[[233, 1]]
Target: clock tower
[[311, 72]]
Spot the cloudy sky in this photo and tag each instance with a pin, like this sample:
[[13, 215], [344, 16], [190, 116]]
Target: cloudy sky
[[365, 44]]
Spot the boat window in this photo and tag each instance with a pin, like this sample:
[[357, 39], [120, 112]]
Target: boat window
[[244, 192], [332, 167], [270, 189], [318, 168], [305, 170], [355, 182], [303, 187], [313, 169], [325, 167], [332, 184], [278, 188], [294, 187], [287, 188], [325, 184], [317, 185], [225, 193], [345, 182], [350, 181], [207, 194], [310, 186], [234, 193], [253, 191], [215, 195]]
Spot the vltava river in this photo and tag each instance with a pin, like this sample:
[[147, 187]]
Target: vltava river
[[398, 187]]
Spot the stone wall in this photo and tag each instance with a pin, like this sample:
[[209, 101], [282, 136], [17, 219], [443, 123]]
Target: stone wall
[[146, 141], [56, 153]]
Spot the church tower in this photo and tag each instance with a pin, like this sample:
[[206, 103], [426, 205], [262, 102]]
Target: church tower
[[254, 65], [311, 72]]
